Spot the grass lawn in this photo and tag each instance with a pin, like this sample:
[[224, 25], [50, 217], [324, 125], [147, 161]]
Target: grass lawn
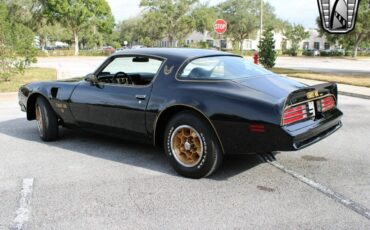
[[29, 75], [357, 79]]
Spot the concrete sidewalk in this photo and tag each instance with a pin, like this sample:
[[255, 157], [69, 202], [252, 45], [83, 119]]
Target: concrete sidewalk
[[8, 97], [348, 90], [325, 64]]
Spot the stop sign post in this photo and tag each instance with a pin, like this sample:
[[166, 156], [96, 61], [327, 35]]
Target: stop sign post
[[220, 28]]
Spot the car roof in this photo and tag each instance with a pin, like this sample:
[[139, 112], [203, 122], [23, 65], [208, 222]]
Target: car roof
[[177, 53]]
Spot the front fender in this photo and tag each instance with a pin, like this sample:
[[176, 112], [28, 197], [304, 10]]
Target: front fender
[[56, 93]]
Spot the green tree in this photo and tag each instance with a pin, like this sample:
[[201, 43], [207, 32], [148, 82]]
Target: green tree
[[113, 39], [243, 19], [280, 25], [174, 17], [129, 30], [295, 34], [31, 14], [151, 28], [91, 38], [26, 12], [76, 15], [204, 17], [360, 35], [53, 32], [267, 48], [16, 45]]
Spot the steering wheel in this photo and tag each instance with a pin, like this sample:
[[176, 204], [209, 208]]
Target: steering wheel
[[129, 78]]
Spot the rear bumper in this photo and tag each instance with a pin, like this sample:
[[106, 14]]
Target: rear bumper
[[300, 144], [236, 138], [304, 136]]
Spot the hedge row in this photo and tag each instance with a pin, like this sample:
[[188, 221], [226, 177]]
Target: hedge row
[[332, 53], [359, 53], [52, 53]]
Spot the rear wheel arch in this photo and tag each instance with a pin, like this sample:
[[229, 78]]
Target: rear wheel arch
[[165, 116]]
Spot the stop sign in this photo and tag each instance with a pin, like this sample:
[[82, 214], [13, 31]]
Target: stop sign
[[220, 26]]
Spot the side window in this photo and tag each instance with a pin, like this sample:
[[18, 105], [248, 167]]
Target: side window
[[135, 70], [204, 68], [221, 68]]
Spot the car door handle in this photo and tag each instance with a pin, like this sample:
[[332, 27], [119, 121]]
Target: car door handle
[[140, 97]]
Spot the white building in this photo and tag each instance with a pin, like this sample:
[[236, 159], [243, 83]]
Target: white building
[[196, 37], [313, 42], [252, 44]]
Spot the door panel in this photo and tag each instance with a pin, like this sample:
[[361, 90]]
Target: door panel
[[117, 104], [111, 108]]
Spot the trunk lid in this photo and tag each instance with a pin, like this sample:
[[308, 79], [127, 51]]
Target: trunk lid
[[297, 102], [274, 85]]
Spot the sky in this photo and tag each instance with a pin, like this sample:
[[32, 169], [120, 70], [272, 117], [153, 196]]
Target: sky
[[295, 11]]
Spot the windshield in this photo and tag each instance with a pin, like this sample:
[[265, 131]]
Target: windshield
[[221, 68]]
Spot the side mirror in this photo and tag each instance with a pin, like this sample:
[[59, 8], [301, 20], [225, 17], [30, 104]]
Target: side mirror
[[92, 79]]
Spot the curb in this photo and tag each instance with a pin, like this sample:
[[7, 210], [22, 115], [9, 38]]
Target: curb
[[354, 95]]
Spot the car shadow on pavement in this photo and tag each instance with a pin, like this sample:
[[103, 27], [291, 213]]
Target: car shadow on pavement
[[125, 152]]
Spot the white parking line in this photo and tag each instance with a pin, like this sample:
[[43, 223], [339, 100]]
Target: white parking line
[[24, 206], [327, 191]]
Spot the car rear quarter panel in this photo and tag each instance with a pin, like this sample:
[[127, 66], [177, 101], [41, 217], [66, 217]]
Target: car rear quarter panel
[[230, 108]]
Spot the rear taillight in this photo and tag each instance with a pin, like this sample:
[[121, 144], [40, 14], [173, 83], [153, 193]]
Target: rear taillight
[[295, 114], [327, 103]]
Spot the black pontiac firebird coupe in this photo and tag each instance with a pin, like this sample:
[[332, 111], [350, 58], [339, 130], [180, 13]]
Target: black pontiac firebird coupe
[[196, 104]]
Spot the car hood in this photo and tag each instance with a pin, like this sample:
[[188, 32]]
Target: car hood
[[274, 85], [76, 79]]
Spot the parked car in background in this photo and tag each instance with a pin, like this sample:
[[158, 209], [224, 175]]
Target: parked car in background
[[109, 49], [121, 49], [49, 48], [311, 52], [137, 47]]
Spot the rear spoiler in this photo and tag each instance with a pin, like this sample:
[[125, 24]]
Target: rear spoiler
[[311, 93]]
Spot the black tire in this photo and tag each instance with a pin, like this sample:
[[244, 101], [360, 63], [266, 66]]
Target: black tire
[[47, 120], [211, 156]]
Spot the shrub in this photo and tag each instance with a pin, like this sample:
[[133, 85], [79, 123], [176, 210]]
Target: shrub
[[309, 53], [363, 53], [291, 52], [332, 53], [267, 51], [16, 46], [57, 53]]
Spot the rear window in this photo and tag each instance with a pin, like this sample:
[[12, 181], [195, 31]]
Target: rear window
[[221, 68]]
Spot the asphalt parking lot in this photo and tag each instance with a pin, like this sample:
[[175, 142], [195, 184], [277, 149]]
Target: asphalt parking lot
[[84, 181]]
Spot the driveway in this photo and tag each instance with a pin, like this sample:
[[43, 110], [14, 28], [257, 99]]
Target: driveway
[[85, 181]]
